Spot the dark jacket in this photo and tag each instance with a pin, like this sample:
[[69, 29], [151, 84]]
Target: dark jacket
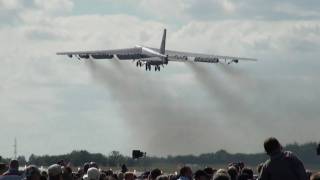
[[12, 172], [283, 166]]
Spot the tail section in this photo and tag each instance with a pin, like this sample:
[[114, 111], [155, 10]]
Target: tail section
[[163, 42]]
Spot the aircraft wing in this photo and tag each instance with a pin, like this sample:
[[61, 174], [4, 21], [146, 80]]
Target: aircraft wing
[[122, 54], [199, 57]]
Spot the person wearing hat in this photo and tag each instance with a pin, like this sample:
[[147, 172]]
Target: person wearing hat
[[32, 173], [55, 172]]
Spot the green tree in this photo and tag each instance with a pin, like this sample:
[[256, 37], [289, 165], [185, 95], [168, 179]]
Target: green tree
[[115, 158]]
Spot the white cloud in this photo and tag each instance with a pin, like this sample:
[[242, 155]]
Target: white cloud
[[227, 5], [10, 4], [54, 6], [292, 10]]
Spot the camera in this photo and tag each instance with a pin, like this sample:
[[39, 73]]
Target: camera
[[136, 154], [318, 150]]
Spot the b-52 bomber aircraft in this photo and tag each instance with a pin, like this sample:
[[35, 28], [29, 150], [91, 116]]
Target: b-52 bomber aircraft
[[146, 56]]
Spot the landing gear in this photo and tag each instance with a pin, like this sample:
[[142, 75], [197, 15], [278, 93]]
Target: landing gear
[[148, 67], [157, 68], [139, 64]]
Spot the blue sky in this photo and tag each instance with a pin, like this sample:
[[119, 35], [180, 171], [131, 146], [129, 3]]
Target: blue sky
[[53, 104]]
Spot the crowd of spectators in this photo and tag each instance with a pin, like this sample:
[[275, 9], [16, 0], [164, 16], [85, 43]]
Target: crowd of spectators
[[282, 165]]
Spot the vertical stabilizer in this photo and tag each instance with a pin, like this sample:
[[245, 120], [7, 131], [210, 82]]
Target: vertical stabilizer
[[163, 42]]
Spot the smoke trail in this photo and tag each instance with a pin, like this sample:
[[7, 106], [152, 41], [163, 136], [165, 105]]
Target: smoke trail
[[159, 121], [232, 99], [240, 108]]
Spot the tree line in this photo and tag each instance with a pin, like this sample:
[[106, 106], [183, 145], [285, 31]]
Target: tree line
[[306, 152]]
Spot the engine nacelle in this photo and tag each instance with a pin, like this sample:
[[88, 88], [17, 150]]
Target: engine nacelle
[[102, 56], [207, 60], [84, 56]]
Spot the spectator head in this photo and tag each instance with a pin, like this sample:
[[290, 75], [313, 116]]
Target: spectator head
[[222, 171], [233, 172], [103, 176], [114, 177], [309, 173], [93, 164], [162, 177], [55, 172], [244, 177], [44, 174], [272, 145], [124, 168], [86, 166], [186, 171], [32, 173], [247, 171], [221, 176], [121, 176], [67, 173], [173, 177], [154, 174], [93, 174], [61, 163], [315, 176], [210, 171], [14, 164], [109, 172], [201, 175], [129, 176]]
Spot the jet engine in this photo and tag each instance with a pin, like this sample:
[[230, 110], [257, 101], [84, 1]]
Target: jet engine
[[207, 60]]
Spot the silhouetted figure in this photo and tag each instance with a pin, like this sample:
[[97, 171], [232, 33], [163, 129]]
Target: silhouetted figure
[[44, 175], [93, 173], [13, 169], [67, 173], [185, 173], [55, 172], [162, 177], [243, 177], [124, 168], [86, 166], [221, 176], [32, 173], [210, 171], [282, 164], [129, 176], [233, 173], [201, 175], [154, 174], [93, 164], [248, 172]]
